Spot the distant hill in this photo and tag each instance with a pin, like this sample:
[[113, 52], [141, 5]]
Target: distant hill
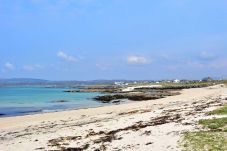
[[31, 81], [22, 81]]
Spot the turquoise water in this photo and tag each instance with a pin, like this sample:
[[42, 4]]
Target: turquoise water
[[25, 100]]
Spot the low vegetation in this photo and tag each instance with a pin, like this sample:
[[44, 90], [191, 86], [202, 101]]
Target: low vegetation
[[112, 88], [215, 139], [219, 124], [220, 111], [205, 141]]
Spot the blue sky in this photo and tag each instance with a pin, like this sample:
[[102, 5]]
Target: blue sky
[[113, 39]]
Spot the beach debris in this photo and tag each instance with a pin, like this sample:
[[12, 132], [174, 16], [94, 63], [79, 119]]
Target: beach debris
[[40, 148], [58, 142], [147, 133], [135, 111], [149, 143]]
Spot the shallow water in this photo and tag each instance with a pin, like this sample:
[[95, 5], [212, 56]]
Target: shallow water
[[27, 100]]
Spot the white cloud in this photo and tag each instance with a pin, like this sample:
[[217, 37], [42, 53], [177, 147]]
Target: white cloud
[[65, 56], [32, 67], [207, 55], [137, 60], [9, 66]]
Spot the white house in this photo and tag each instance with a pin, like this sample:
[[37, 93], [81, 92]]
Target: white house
[[120, 83], [176, 81]]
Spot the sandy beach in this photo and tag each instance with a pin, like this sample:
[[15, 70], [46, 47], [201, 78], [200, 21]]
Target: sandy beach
[[146, 125]]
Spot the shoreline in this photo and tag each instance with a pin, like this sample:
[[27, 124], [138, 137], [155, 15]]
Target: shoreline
[[81, 110], [67, 109], [123, 101], [49, 114], [111, 105], [51, 111], [113, 126]]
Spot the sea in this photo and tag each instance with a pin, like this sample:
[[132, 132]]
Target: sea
[[24, 100]]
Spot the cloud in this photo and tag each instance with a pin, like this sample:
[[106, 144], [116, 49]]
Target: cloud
[[32, 67], [137, 60], [207, 55], [65, 56], [9, 66]]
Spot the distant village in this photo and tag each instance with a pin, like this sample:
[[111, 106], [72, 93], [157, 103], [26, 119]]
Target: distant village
[[122, 83]]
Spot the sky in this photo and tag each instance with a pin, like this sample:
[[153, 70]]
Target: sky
[[113, 39]]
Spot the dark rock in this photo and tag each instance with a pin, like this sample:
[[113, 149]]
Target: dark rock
[[60, 101], [129, 96], [117, 102], [96, 88], [108, 98]]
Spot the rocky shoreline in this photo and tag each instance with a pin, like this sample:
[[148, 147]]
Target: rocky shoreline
[[138, 93], [97, 88], [135, 96]]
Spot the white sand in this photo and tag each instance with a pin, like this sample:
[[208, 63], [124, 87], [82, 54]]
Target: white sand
[[128, 89], [148, 125]]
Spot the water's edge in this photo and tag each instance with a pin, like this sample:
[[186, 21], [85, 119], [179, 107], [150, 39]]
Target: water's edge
[[17, 101]]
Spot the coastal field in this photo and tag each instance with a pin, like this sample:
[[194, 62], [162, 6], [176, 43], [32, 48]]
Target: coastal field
[[164, 124]]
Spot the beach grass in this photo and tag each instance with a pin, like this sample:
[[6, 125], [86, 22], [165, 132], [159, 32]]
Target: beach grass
[[220, 111], [214, 124], [213, 140], [205, 141]]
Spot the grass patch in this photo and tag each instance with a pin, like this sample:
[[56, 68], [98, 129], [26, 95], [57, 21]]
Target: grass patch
[[215, 140], [215, 123], [204, 141], [220, 111]]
